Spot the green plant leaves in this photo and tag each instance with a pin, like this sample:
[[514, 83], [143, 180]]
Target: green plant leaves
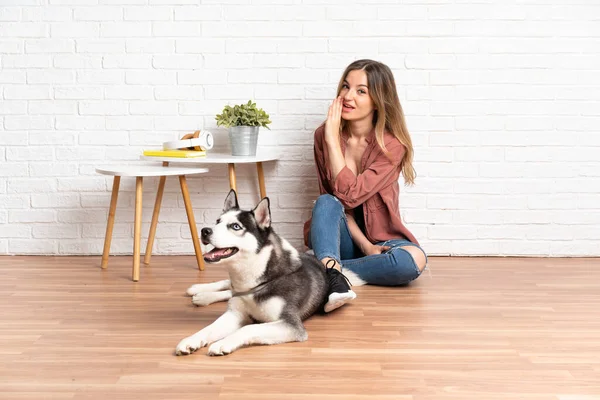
[[243, 115]]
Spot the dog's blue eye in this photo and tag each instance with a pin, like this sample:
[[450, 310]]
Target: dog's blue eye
[[235, 227]]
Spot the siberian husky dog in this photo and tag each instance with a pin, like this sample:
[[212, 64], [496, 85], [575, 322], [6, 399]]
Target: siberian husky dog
[[271, 288]]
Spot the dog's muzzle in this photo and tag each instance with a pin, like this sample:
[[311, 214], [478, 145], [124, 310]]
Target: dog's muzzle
[[217, 254]]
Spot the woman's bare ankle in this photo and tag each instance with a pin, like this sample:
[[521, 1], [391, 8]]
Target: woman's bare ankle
[[331, 263]]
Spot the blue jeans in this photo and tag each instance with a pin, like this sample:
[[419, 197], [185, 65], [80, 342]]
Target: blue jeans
[[330, 237]]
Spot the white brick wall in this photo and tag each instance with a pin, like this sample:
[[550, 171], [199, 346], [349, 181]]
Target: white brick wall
[[502, 100]]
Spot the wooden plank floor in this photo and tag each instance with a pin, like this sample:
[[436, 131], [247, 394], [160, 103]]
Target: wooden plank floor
[[476, 328]]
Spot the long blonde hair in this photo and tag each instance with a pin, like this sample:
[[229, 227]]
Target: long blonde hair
[[388, 114]]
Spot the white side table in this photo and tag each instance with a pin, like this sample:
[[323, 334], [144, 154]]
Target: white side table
[[213, 157], [139, 172]]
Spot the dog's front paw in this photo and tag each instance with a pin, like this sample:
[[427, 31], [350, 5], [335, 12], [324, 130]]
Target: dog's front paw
[[203, 299], [221, 348], [197, 288], [189, 345]]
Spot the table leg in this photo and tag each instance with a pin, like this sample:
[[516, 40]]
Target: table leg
[[152, 233], [261, 180], [111, 221], [192, 221], [157, 203], [137, 228], [232, 183]]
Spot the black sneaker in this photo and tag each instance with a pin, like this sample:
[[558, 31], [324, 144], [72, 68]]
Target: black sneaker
[[339, 288]]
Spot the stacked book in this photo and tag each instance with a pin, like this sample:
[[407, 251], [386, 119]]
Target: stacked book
[[175, 153]]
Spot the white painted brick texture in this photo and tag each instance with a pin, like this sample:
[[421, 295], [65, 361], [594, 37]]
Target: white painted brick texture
[[502, 101]]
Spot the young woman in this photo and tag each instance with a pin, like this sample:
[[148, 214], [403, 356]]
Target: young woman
[[360, 152]]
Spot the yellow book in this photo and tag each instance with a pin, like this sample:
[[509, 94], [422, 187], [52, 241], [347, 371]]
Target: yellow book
[[175, 153]]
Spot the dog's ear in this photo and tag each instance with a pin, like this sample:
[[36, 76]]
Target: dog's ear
[[231, 201], [262, 212]]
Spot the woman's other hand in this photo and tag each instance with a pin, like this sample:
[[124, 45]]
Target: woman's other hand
[[375, 249]]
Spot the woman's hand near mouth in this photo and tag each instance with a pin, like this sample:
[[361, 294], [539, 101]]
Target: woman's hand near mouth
[[332, 137], [334, 120]]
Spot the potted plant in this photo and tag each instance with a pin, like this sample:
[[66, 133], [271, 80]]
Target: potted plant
[[243, 121]]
